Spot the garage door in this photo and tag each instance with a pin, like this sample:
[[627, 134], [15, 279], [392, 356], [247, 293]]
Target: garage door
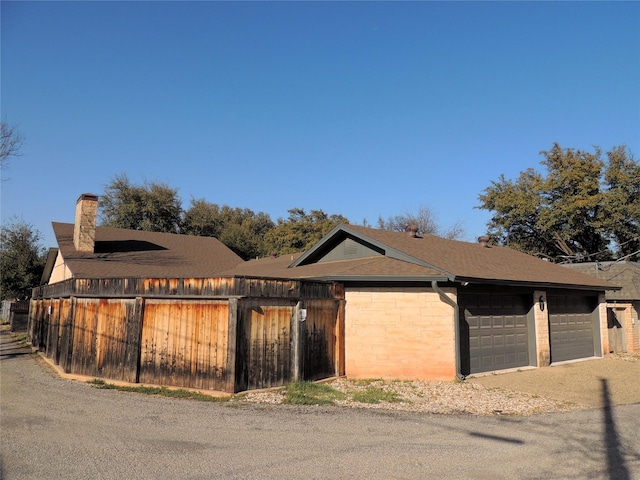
[[494, 333], [571, 325]]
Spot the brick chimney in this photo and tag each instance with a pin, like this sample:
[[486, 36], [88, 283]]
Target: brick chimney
[[84, 230]]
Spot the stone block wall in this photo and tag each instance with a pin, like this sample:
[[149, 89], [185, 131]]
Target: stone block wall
[[399, 333]]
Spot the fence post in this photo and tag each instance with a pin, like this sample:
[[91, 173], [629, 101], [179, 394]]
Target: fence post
[[232, 329], [340, 353], [33, 308], [133, 347], [298, 328], [66, 346]]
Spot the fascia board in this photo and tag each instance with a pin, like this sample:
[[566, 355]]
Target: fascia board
[[378, 278]]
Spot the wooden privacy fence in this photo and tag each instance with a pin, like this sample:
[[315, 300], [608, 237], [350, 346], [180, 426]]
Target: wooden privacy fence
[[226, 334]]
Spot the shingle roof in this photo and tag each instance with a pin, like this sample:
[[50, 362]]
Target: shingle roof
[[427, 257], [132, 253], [624, 274], [360, 268]]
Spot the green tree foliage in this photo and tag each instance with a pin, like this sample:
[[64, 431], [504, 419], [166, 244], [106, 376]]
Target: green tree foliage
[[241, 230], [22, 260], [621, 218], [156, 207], [574, 212], [153, 207], [425, 220], [300, 231]]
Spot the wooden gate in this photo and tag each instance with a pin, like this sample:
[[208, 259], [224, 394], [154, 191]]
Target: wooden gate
[[184, 343], [320, 335], [271, 347], [264, 348]]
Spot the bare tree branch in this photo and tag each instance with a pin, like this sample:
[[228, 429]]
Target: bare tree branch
[[12, 141]]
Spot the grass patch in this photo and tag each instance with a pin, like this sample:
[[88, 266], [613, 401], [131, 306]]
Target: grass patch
[[22, 340], [309, 393], [375, 395], [162, 391]]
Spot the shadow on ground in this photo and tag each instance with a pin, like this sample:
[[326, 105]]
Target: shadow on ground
[[12, 345]]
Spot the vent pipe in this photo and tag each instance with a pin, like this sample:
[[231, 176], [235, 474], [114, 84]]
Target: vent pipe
[[412, 230], [483, 240]]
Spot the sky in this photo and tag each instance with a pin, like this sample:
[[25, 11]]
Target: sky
[[363, 109]]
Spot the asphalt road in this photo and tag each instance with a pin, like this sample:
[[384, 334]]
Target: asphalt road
[[57, 428]]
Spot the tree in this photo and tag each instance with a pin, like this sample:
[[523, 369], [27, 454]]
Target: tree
[[153, 207], [300, 231], [241, 230], [22, 260], [10, 143], [621, 214], [426, 222], [574, 212]]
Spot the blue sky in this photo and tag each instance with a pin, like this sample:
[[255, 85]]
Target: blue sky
[[363, 109]]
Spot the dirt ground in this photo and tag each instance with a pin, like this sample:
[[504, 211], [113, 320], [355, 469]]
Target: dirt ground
[[610, 381]]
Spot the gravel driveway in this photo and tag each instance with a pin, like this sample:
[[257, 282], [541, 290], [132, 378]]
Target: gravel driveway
[[610, 381]]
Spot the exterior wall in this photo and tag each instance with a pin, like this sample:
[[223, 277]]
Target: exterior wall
[[627, 315], [635, 327], [60, 271], [541, 320], [403, 333], [604, 331]]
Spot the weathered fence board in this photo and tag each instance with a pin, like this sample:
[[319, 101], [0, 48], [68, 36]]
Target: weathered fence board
[[203, 287], [99, 337], [65, 345], [184, 344]]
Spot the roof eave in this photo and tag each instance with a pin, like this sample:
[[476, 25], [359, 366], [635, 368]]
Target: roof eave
[[523, 283], [379, 278], [52, 255]]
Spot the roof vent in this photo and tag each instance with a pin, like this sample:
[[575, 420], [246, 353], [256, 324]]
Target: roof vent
[[483, 240], [412, 230]]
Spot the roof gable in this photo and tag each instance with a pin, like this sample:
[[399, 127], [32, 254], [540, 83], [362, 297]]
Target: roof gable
[[360, 236], [349, 249]]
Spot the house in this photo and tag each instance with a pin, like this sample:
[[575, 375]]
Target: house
[[623, 304], [185, 311], [145, 307], [431, 308], [88, 251]]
